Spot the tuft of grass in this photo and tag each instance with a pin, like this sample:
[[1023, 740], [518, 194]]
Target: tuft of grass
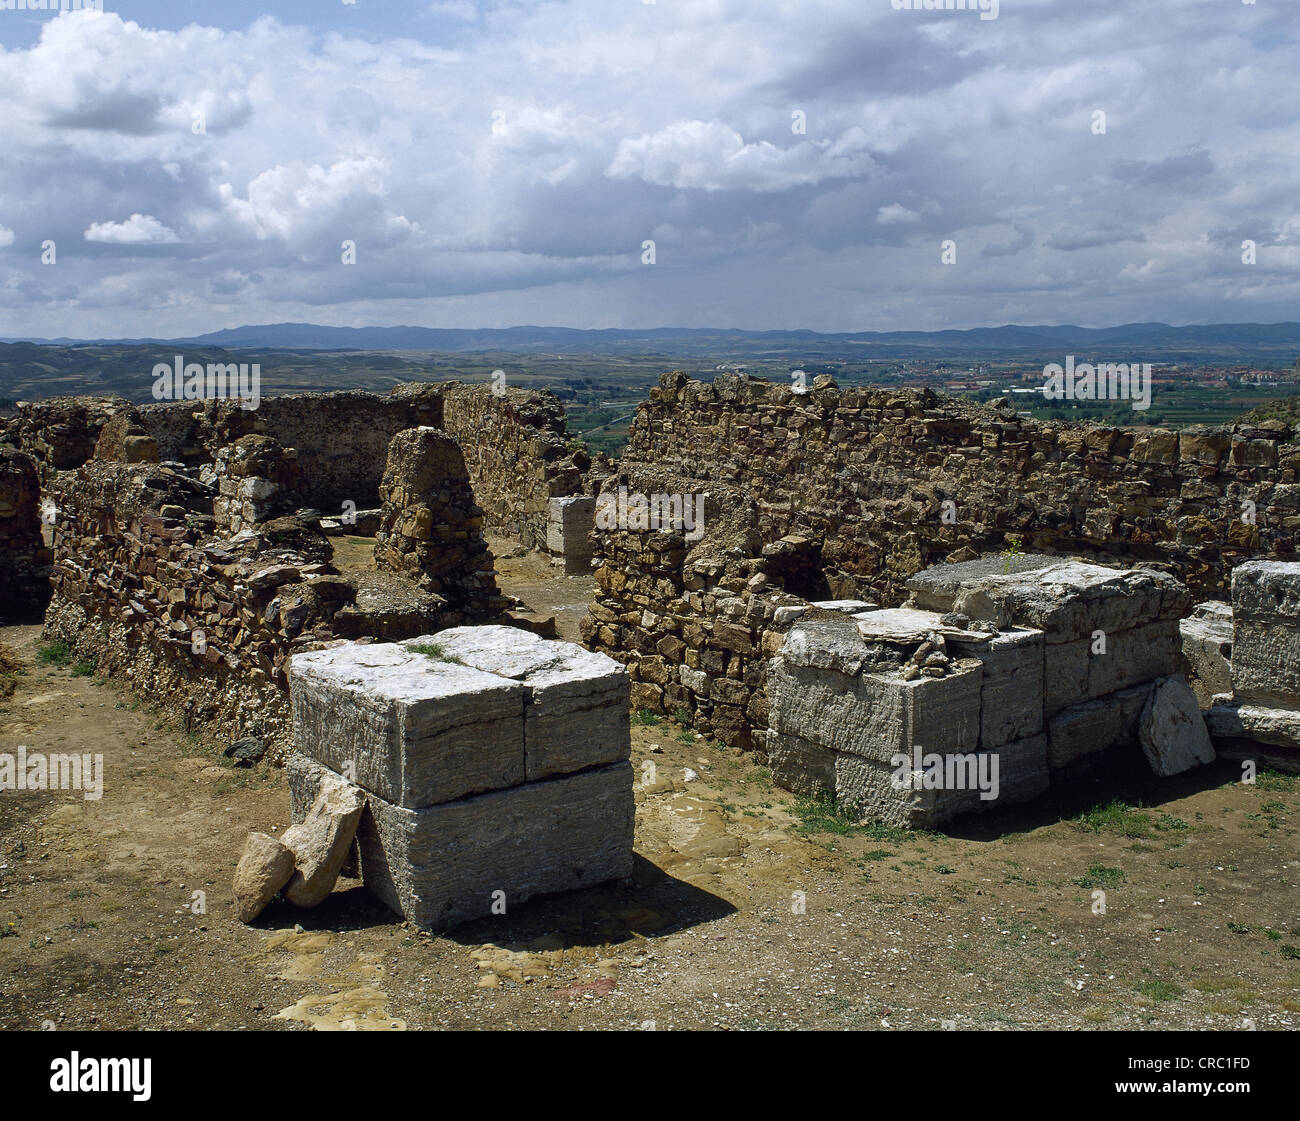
[[644, 718], [83, 668], [434, 651], [54, 654], [1117, 817], [1100, 876], [1160, 990]]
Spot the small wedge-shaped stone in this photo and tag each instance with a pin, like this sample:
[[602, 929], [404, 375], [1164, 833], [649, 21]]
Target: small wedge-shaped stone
[[263, 870], [322, 841]]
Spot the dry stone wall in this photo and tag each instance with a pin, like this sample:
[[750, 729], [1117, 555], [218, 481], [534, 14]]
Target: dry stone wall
[[846, 494], [517, 451]]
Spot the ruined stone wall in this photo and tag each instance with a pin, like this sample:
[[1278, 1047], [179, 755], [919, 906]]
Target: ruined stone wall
[[842, 494], [141, 587], [515, 443], [24, 559], [516, 450], [865, 473]]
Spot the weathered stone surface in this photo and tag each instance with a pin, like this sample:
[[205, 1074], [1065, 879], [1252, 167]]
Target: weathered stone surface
[[1011, 690], [1172, 731], [322, 841], [1266, 632], [1206, 640], [569, 524], [876, 715], [1095, 726], [1142, 653], [936, 588], [576, 703], [411, 727], [1072, 600], [441, 865], [1277, 726], [907, 624], [264, 869]]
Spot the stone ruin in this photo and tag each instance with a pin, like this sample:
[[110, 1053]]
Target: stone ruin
[[492, 766], [878, 575], [1050, 666]]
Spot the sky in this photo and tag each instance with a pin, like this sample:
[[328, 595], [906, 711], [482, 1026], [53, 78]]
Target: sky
[[171, 168]]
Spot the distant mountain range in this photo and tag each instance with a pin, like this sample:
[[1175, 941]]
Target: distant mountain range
[[1228, 342]]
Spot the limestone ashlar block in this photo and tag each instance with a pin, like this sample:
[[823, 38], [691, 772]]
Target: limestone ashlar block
[[1133, 656], [1011, 689], [1266, 633], [876, 715], [1072, 600], [414, 729], [936, 588], [576, 702], [442, 865], [1206, 642], [1095, 726], [1279, 727]]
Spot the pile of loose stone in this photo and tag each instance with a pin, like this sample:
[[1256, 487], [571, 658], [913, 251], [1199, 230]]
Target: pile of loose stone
[[1048, 664], [492, 766]]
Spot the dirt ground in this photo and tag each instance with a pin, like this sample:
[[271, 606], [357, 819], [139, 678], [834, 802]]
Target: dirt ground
[[749, 909]]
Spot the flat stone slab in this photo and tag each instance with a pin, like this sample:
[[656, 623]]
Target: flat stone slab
[[905, 625], [1279, 727], [935, 588], [467, 859], [1073, 600], [414, 729], [576, 702]]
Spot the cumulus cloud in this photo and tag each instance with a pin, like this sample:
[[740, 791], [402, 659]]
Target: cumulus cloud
[[139, 229], [501, 162], [6, 237], [713, 156]]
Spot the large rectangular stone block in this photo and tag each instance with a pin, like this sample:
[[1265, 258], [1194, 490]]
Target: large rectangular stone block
[[1072, 600], [1094, 726], [1011, 689], [876, 715], [1266, 632], [413, 728], [576, 702], [442, 865], [1132, 656], [568, 528]]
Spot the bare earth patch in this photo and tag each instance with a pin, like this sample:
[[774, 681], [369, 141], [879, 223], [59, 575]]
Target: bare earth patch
[[749, 909]]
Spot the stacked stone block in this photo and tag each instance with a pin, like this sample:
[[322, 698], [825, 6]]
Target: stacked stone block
[[1260, 718], [495, 765], [1047, 668], [568, 532]]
